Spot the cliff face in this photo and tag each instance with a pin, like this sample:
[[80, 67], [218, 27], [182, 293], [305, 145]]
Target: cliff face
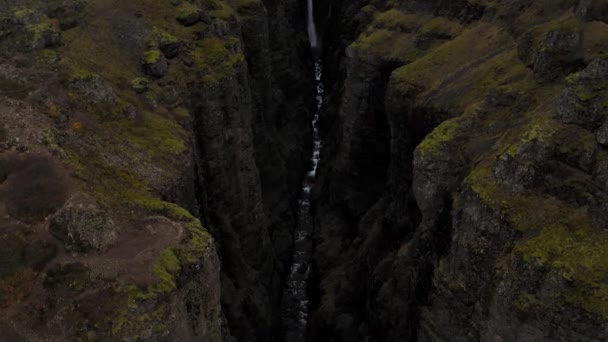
[[490, 227], [123, 124]]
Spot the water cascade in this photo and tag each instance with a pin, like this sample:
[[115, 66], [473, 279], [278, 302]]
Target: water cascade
[[295, 298], [312, 28]]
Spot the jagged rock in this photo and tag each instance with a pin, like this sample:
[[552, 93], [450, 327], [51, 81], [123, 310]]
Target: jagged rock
[[583, 100], [155, 63], [83, 227], [590, 10], [560, 51], [94, 88]]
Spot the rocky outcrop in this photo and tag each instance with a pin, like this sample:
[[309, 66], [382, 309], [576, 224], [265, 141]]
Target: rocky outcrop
[[83, 227]]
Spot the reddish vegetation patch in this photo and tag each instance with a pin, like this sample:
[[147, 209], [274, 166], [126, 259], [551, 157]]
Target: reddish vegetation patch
[[16, 287], [33, 186]]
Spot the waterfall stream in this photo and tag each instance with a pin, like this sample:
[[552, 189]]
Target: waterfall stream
[[295, 309], [312, 28]]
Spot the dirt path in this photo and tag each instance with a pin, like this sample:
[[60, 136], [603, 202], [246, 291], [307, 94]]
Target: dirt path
[[139, 247]]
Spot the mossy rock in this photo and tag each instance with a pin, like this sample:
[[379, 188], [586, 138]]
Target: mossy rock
[[83, 227], [93, 88], [166, 42], [43, 35], [155, 64], [25, 16], [140, 84], [188, 14], [561, 51], [584, 101]]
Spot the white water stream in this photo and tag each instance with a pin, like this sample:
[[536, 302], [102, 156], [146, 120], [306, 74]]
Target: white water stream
[[295, 298]]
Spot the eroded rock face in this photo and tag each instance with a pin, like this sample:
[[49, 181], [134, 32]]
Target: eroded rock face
[[583, 101], [559, 53]]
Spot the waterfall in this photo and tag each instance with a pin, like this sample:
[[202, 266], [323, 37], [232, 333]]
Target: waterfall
[[312, 28], [295, 306]]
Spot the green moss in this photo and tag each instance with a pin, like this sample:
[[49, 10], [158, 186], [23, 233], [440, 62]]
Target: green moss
[[140, 84], [153, 134], [441, 141], [42, 35], [48, 57], [542, 130], [216, 59], [429, 70], [442, 26], [22, 12], [397, 20], [160, 38], [438, 141], [165, 269], [186, 10], [133, 323], [389, 38], [222, 11], [562, 238], [152, 56]]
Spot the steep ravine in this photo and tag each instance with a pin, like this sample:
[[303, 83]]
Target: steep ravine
[[252, 135], [155, 161]]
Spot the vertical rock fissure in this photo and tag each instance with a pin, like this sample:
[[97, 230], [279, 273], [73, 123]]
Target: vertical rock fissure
[[295, 307]]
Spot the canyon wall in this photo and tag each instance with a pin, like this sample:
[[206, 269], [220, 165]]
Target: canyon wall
[[461, 200]]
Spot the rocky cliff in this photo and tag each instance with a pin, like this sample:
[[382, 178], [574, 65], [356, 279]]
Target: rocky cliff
[[151, 154], [463, 198]]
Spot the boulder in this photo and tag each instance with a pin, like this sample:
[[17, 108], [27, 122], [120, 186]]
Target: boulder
[[165, 41], [83, 226], [155, 64], [188, 14], [140, 85], [94, 88], [561, 51], [583, 101]]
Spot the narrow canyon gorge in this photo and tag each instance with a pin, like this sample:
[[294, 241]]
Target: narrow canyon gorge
[[304, 170]]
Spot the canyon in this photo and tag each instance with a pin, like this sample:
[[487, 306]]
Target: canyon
[[282, 170]]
